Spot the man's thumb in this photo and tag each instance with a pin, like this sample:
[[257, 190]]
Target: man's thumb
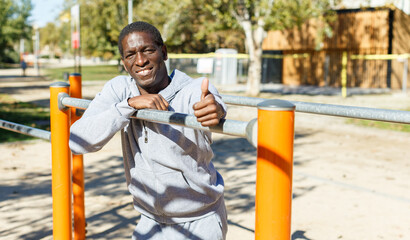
[[204, 88]]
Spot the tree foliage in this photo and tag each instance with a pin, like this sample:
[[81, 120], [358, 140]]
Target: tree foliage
[[101, 23], [185, 25], [191, 25], [50, 37], [256, 17], [196, 26], [14, 26]]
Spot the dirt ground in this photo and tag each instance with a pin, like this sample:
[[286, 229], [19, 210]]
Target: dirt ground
[[349, 182]]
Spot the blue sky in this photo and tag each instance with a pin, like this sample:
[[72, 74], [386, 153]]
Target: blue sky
[[45, 11]]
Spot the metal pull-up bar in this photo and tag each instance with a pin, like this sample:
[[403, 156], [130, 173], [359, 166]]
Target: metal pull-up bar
[[273, 139], [385, 115], [226, 126], [272, 133], [26, 130]]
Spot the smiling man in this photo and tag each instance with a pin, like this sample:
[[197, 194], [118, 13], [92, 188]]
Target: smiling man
[[168, 168]]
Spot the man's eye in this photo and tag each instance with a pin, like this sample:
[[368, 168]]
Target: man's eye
[[150, 50], [129, 55]]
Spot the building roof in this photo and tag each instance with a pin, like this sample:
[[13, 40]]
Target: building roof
[[403, 5]]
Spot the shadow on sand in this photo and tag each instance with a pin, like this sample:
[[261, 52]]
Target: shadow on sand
[[235, 158]]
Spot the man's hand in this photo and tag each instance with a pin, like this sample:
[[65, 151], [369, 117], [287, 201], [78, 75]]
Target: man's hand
[[152, 101], [207, 111]]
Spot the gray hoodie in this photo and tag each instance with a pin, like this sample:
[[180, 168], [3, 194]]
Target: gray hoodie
[[168, 168]]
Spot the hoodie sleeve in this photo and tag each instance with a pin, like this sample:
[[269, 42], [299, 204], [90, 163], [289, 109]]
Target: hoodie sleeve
[[107, 113]]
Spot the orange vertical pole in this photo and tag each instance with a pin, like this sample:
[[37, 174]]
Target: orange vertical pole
[[61, 164], [274, 170], [78, 167]]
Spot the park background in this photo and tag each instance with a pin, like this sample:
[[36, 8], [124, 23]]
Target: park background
[[297, 52]]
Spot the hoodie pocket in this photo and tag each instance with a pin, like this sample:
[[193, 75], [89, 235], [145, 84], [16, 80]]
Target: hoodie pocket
[[175, 196], [143, 189]]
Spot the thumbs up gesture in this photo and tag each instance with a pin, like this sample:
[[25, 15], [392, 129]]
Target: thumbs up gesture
[[207, 111]]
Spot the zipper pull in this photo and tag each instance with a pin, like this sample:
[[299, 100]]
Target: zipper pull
[[145, 132]]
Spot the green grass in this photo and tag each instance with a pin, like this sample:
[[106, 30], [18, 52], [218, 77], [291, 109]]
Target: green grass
[[22, 113], [92, 73], [88, 73], [382, 125]]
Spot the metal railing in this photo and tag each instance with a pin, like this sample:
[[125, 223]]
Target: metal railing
[[26, 130], [226, 126], [385, 115], [272, 150], [272, 136]]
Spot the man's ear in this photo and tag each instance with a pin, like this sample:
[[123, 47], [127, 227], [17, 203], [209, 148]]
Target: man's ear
[[122, 61], [164, 52]]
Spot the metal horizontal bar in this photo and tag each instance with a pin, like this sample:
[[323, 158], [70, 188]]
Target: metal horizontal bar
[[381, 56], [231, 127], [75, 102], [386, 115], [23, 129]]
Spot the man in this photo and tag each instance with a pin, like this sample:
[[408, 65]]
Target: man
[[168, 168], [23, 65]]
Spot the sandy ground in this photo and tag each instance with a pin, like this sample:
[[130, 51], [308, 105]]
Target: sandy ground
[[349, 182]]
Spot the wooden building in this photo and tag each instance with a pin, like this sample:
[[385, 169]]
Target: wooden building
[[356, 32]]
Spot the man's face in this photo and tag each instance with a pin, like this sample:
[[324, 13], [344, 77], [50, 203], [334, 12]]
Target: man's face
[[144, 61]]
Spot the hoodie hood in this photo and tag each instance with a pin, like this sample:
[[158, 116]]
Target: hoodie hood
[[178, 81]]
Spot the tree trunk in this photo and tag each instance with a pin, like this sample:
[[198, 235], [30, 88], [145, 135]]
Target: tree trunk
[[254, 72], [254, 39]]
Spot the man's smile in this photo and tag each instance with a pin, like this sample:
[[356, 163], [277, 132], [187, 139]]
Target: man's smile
[[144, 72]]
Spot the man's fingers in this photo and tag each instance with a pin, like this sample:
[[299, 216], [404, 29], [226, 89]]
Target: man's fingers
[[210, 123], [208, 100], [208, 117], [158, 102], [153, 101], [199, 112], [162, 103], [204, 88], [158, 105]]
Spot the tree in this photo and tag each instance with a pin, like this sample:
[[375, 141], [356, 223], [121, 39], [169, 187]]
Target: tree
[[187, 26], [101, 22], [257, 17], [201, 25], [14, 26], [205, 25], [50, 36]]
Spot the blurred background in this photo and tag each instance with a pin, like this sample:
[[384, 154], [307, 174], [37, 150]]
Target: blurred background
[[331, 43]]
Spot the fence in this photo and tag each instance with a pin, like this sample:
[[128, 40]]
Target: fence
[[319, 68], [191, 64], [272, 133]]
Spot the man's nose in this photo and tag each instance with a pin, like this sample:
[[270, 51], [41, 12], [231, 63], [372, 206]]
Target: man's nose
[[141, 59]]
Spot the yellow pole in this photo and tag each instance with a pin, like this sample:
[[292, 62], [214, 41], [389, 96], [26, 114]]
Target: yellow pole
[[78, 167], [274, 170], [61, 165], [344, 74]]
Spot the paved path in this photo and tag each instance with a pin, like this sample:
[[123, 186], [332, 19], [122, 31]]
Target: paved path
[[349, 182]]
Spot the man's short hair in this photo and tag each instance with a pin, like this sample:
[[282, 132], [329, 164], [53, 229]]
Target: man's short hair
[[140, 26]]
